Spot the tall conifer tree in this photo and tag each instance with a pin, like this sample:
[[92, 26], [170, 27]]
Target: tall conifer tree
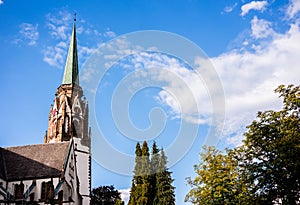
[[155, 158], [136, 180], [152, 181], [145, 198], [164, 188]]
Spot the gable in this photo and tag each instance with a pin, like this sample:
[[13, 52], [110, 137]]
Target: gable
[[33, 161]]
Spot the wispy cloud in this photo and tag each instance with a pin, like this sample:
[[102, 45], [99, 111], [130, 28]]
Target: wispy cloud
[[261, 28], [293, 8], [55, 55], [179, 84], [59, 24], [249, 76], [253, 5], [230, 8], [28, 34], [109, 34]]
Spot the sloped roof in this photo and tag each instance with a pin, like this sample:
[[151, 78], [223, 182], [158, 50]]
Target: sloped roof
[[33, 161]]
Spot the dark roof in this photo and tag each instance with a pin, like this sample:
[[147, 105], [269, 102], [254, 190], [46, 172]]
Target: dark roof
[[33, 161]]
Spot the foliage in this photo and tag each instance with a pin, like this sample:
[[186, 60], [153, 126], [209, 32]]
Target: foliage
[[219, 179], [137, 180], [164, 193], [106, 195], [273, 149], [264, 170], [152, 182]]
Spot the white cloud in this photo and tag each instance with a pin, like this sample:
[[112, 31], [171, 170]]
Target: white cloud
[[250, 78], [293, 8], [55, 56], [1, 2], [261, 28], [125, 194], [179, 84], [229, 9], [109, 34], [28, 33], [60, 27], [59, 24], [253, 5]]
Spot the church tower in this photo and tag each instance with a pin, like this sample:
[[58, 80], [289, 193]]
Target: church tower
[[68, 115], [68, 119]]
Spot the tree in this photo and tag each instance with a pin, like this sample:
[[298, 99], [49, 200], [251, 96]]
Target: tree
[[273, 149], [164, 189], [146, 187], [141, 183], [137, 178], [264, 170], [152, 182], [106, 195], [155, 158], [219, 179]]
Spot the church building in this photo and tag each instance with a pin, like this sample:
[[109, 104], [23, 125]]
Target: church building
[[58, 171]]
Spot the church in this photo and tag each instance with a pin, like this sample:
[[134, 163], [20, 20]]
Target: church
[[58, 171]]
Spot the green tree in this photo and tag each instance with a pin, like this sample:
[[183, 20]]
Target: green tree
[[155, 157], [141, 184], [151, 180], [137, 178], [106, 195], [219, 179], [164, 189], [273, 149], [146, 188]]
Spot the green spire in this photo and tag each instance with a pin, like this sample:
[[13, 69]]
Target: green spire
[[71, 67]]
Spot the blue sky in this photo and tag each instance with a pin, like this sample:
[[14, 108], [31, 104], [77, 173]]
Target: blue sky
[[251, 48]]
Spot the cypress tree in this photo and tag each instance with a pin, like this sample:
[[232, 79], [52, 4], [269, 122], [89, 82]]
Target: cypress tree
[[155, 157], [136, 180], [145, 198], [164, 188], [152, 181]]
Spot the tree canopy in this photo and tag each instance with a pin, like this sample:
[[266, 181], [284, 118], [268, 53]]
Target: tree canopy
[[106, 195], [272, 147], [219, 179], [265, 169]]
